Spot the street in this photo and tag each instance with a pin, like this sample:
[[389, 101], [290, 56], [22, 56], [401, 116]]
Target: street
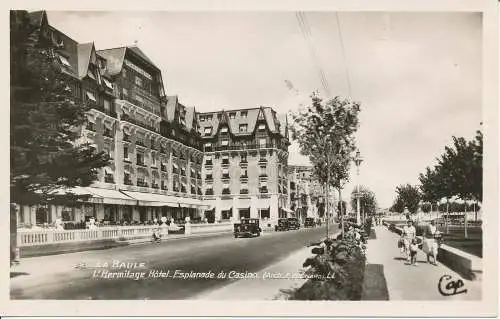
[[55, 277]]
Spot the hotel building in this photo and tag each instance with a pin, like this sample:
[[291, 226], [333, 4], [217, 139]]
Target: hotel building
[[166, 158]]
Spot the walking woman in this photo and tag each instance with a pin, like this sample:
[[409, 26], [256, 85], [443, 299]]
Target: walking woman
[[408, 235], [431, 243]]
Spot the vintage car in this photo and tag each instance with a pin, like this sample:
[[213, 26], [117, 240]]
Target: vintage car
[[247, 227], [282, 225], [309, 222], [293, 223]]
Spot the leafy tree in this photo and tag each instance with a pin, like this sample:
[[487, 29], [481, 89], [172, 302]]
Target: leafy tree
[[367, 201], [46, 121], [342, 207], [325, 133], [407, 196]]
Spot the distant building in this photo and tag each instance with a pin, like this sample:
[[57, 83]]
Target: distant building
[[307, 193]]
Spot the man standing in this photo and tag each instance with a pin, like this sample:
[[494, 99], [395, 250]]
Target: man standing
[[408, 235]]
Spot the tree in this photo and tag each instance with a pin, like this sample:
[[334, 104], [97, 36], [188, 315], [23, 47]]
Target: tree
[[407, 196], [325, 133], [367, 201], [46, 121], [342, 208]]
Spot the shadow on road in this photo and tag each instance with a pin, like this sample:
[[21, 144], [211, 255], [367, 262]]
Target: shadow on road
[[16, 273], [374, 283]]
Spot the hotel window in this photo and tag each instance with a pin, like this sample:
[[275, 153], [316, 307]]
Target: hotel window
[[243, 158], [208, 160], [125, 152], [138, 81], [126, 179], [209, 191], [225, 159], [183, 171], [263, 187], [139, 99], [243, 128], [202, 119], [225, 189], [153, 159], [208, 147], [262, 127], [124, 73], [244, 114], [209, 176], [224, 142], [208, 130], [223, 130], [163, 185], [140, 159], [244, 173], [262, 171], [183, 188], [225, 173], [107, 150], [262, 142], [193, 173], [232, 115], [107, 106], [175, 169], [264, 213], [91, 125], [90, 96]]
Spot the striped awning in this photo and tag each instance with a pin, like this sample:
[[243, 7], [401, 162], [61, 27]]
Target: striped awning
[[156, 200]]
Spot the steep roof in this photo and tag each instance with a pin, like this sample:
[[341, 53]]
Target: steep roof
[[37, 17], [190, 112], [170, 108], [141, 54], [283, 120], [84, 53], [114, 59], [234, 123]]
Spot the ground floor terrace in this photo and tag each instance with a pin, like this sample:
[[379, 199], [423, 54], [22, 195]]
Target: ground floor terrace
[[109, 207]]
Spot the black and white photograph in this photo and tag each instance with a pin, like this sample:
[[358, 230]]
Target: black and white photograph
[[278, 156]]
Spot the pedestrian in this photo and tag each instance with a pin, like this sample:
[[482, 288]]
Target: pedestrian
[[408, 234], [431, 243], [413, 252]]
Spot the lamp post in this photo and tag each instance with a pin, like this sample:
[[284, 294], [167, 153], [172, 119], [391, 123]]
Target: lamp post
[[358, 160]]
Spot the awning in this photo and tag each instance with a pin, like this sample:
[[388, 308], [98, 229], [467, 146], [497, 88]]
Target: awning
[[226, 204], [111, 196], [157, 200], [79, 191], [287, 210]]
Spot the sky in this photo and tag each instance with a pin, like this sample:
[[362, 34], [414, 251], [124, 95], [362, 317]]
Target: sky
[[417, 75]]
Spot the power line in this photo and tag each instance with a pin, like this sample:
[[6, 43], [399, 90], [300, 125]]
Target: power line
[[306, 33], [343, 54]]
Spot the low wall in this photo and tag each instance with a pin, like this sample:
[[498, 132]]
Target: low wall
[[467, 265]]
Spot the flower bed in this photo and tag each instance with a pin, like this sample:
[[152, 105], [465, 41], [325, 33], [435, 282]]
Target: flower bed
[[337, 269]]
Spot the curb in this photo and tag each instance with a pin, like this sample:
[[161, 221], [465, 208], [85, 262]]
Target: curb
[[148, 239]]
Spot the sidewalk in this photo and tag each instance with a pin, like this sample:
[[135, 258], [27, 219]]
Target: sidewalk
[[406, 282], [264, 289]]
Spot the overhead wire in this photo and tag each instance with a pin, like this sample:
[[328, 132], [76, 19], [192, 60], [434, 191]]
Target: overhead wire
[[343, 54]]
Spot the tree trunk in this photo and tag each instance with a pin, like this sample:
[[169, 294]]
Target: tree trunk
[[14, 251], [341, 212]]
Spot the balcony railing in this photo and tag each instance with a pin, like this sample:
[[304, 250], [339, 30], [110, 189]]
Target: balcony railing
[[209, 178], [226, 191], [262, 160], [128, 182], [244, 191], [209, 163], [209, 192], [262, 175], [126, 137], [243, 147], [101, 108], [141, 163], [244, 177], [142, 183], [225, 176], [163, 167], [131, 120], [156, 186], [263, 190]]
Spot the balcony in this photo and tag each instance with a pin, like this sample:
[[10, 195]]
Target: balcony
[[262, 175], [209, 163], [225, 162], [126, 138], [263, 190], [141, 163], [244, 191], [131, 120], [109, 179], [244, 147], [262, 160], [226, 191], [163, 167], [101, 108], [209, 178], [209, 192], [244, 176]]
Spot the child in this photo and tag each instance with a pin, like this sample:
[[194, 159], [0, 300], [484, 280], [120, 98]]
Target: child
[[413, 252]]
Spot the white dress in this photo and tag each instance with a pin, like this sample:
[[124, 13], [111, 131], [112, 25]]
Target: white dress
[[431, 246]]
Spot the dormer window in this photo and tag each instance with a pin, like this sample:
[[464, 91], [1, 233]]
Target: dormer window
[[262, 127], [90, 74], [138, 81], [90, 96], [232, 115], [244, 114], [243, 128], [223, 130], [64, 61], [225, 143], [208, 130], [107, 83]]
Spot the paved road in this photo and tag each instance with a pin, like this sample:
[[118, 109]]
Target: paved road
[[54, 277]]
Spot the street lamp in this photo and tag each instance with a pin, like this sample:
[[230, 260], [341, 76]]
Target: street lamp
[[358, 160]]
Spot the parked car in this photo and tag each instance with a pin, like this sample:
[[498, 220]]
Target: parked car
[[282, 225], [247, 227], [309, 222], [293, 223]]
